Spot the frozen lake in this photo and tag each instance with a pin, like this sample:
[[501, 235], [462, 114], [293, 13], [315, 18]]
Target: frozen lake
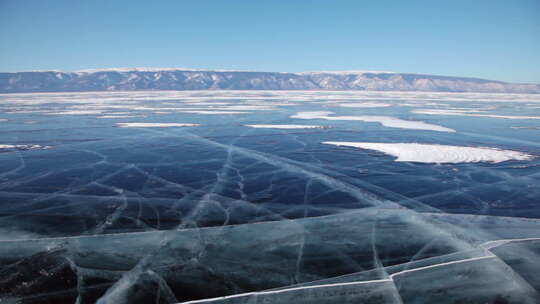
[[179, 196]]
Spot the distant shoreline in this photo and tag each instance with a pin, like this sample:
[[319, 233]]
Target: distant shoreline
[[180, 79]]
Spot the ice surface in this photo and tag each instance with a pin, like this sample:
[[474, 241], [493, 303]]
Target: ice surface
[[254, 208], [424, 153], [252, 257], [380, 291]]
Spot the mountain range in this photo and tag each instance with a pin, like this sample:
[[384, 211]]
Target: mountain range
[[131, 79]]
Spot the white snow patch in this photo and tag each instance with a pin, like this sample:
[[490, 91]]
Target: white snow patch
[[430, 153], [154, 125], [365, 105], [214, 112], [135, 97], [23, 147], [469, 113], [246, 108], [150, 69], [77, 112], [120, 116], [199, 103], [286, 126], [312, 115], [386, 121], [352, 72], [528, 128]]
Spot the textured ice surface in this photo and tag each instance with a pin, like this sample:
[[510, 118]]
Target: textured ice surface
[[266, 215], [422, 153], [195, 263]]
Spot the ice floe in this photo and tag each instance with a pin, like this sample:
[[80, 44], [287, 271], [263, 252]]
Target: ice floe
[[430, 153], [154, 125], [386, 121]]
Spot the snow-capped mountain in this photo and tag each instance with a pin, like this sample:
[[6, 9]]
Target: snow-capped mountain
[[128, 79]]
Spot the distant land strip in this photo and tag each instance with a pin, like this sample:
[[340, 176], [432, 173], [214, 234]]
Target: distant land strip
[[138, 79]]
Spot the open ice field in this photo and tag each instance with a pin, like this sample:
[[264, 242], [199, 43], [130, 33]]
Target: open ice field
[[269, 197]]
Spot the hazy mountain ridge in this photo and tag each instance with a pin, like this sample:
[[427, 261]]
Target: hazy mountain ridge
[[189, 79]]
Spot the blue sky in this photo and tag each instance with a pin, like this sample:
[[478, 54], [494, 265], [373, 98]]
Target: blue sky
[[490, 39]]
